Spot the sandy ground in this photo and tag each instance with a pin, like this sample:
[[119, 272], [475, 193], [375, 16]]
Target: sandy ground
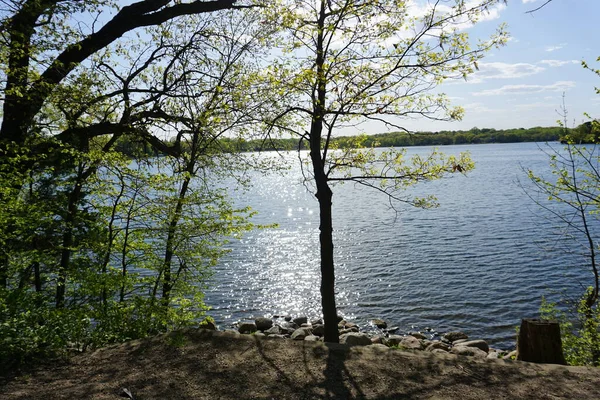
[[199, 364]]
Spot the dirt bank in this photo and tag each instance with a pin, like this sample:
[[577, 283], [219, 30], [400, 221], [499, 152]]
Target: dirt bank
[[200, 364]]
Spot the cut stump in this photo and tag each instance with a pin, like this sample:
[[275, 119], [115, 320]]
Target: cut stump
[[539, 342]]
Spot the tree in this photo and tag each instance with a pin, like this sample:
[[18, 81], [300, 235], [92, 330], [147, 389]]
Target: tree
[[576, 186], [115, 251], [37, 63], [346, 61]]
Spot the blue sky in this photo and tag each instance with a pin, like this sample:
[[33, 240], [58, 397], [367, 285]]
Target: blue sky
[[521, 84]]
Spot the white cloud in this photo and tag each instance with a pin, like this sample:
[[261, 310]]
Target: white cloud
[[477, 108], [558, 63], [529, 1], [500, 70], [554, 48], [559, 86], [531, 106]]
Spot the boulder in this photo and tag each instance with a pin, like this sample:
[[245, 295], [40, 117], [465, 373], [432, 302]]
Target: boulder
[[392, 329], [288, 327], [274, 330], [232, 331], [300, 334], [510, 356], [493, 355], [355, 339], [247, 327], [316, 322], [318, 330], [377, 340], [277, 337], [262, 324], [379, 346], [393, 340], [436, 344], [454, 336], [208, 324], [259, 334], [300, 320], [417, 335], [480, 344], [459, 341], [468, 351], [381, 324], [352, 325], [412, 343], [311, 338], [348, 330], [439, 351], [287, 318]]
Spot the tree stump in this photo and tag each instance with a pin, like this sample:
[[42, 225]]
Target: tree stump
[[539, 342]]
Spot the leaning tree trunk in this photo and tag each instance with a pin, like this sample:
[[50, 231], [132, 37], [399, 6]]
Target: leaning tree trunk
[[539, 341]]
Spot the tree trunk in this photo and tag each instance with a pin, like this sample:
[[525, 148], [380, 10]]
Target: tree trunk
[[539, 341], [327, 266]]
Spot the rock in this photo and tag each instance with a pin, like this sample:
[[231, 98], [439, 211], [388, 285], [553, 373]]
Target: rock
[[348, 330], [306, 325], [381, 324], [510, 356], [262, 324], [412, 343], [274, 330], [436, 344], [480, 344], [439, 351], [277, 336], [300, 320], [318, 330], [393, 340], [355, 339], [259, 334], [300, 334], [352, 325], [340, 318], [247, 327], [316, 322], [417, 335], [287, 318], [288, 327], [380, 346], [311, 338], [468, 351], [342, 324], [377, 340], [208, 324], [453, 336], [393, 329], [493, 355], [459, 341]]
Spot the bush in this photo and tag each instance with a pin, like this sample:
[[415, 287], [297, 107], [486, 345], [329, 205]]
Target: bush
[[580, 333]]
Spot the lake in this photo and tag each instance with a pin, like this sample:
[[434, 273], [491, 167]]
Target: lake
[[478, 263]]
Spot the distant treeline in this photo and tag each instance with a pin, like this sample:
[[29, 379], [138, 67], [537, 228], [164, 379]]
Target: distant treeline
[[403, 139], [584, 133]]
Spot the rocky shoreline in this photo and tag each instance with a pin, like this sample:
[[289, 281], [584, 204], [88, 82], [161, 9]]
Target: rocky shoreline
[[301, 328]]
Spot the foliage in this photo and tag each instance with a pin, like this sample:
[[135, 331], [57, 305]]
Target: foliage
[[404, 139], [580, 332], [98, 246]]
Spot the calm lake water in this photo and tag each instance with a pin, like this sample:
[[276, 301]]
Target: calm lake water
[[478, 263]]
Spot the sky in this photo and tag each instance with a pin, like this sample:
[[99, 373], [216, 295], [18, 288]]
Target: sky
[[521, 84]]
